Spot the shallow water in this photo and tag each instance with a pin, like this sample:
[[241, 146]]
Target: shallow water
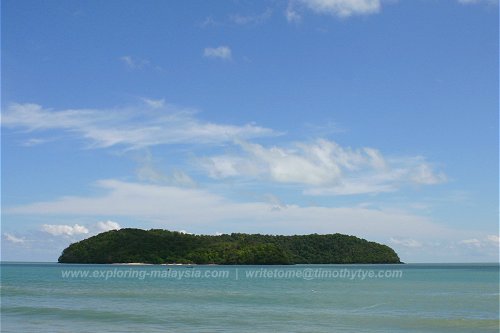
[[309, 298]]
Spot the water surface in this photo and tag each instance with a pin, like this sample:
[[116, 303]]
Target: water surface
[[314, 298]]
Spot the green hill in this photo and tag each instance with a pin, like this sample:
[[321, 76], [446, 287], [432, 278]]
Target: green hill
[[162, 246]]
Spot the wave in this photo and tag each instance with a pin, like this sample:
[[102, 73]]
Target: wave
[[80, 314]]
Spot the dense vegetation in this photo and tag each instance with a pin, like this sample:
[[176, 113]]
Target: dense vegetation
[[161, 246]]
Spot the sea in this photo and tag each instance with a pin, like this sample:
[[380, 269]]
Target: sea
[[51, 297]]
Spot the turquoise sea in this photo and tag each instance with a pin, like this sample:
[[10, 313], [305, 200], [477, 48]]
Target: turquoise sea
[[314, 298]]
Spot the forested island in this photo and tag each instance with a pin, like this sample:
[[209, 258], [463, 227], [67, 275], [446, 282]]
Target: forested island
[[157, 246]]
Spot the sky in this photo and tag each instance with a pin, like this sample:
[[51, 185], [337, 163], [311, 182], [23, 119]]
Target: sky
[[373, 118]]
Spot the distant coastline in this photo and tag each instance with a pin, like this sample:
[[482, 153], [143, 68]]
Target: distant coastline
[[149, 264]]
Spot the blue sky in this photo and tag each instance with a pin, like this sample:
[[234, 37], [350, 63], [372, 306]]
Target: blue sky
[[372, 118]]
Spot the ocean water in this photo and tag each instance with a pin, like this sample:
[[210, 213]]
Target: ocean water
[[312, 298]]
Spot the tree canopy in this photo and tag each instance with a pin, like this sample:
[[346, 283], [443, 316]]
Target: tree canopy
[[157, 246]]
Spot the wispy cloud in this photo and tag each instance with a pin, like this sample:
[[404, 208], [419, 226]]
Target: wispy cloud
[[487, 241], [424, 174], [13, 239], [221, 52], [325, 129], [238, 19], [35, 142], [324, 167], [209, 21], [292, 15], [408, 242], [149, 172], [154, 103], [475, 2], [251, 19], [132, 127], [134, 63]]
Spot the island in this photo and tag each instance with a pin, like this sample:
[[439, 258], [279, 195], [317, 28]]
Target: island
[[157, 246]]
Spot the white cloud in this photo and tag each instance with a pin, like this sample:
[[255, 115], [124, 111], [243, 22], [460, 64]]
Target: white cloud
[[77, 229], [324, 167], [133, 127], [251, 19], [307, 165], [13, 239], [411, 243], [221, 52], [103, 226], [342, 8], [62, 229]]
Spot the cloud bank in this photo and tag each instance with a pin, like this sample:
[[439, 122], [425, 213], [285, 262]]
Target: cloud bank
[[174, 208], [324, 167]]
